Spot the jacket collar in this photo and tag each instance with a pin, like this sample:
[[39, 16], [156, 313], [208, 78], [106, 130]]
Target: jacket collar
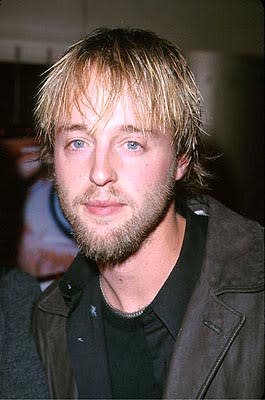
[[61, 297], [233, 244]]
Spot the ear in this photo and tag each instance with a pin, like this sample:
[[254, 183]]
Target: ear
[[181, 167]]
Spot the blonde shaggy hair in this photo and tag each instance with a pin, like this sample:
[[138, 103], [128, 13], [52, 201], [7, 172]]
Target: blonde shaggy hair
[[160, 83]]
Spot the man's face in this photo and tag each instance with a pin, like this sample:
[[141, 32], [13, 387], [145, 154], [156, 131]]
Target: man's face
[[115, 185]]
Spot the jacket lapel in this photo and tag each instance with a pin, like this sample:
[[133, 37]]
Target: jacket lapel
[[52, 343], [207, 332], [86, 344]]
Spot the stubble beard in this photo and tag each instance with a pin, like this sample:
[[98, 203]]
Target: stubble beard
[[118, 243]]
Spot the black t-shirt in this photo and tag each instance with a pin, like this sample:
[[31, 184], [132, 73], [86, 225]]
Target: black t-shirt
[[116, 357]]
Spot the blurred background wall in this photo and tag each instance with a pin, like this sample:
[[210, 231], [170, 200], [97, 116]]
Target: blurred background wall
[[42, 29], [223, 41]]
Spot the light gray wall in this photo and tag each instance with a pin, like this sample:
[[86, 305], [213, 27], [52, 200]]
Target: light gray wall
[[38, 31]]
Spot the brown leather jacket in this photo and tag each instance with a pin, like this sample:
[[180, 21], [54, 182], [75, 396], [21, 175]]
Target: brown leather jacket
[[219, 352]]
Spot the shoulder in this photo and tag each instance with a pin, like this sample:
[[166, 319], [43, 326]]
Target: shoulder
[[18, 293], [18, 287]]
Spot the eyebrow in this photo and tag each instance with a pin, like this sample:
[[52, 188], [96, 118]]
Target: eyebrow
[[134, 129], [72, 127], [131, 129]]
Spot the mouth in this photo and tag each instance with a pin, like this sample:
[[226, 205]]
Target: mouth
[[103, 207]]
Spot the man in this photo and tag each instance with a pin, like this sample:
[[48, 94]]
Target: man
[[165, 297]]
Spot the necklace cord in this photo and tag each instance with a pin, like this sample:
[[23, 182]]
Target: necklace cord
[[115, 310]]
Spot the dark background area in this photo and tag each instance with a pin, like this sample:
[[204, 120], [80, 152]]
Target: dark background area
[[19, 83]]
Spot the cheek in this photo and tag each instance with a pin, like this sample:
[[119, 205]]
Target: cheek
[[149, 176], [161, 169], [64, 177], [66, 171]]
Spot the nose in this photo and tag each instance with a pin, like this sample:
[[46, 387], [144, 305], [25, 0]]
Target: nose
[[102, 169]]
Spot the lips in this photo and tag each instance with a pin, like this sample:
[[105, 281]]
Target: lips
[[103, 207]]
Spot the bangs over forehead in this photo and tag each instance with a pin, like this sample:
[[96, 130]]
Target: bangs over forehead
[[99, 88], [160, 84], [161, 87]]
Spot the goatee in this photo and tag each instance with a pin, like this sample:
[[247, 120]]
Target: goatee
[[118, 242]]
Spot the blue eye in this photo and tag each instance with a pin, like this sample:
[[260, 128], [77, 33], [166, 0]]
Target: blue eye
[[131, 145], [78, 144]]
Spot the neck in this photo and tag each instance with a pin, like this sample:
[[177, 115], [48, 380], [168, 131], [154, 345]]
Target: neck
[[133, 284]]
